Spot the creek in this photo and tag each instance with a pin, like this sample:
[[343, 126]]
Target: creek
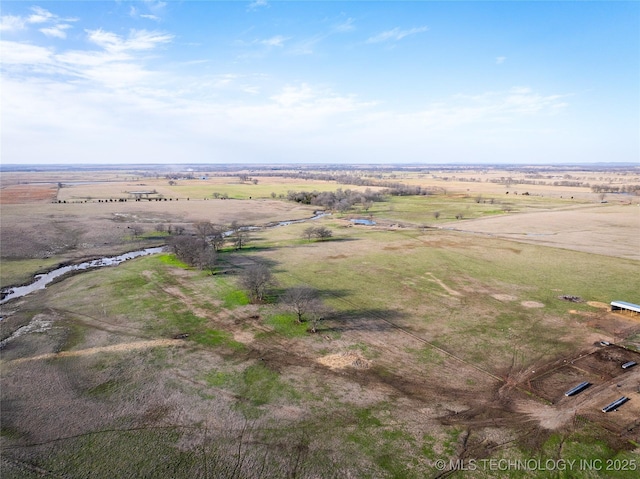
[[42, 280]]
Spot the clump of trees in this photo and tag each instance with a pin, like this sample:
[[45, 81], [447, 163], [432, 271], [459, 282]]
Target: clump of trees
[[320, 232], [339, 200], [194, 251], [201, 249]]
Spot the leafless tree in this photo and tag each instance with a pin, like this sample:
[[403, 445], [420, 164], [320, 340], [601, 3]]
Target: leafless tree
[[309, 233], [217, 238], [239, 235], [436, 214], [204, 229], [323, 232], [256, 281], [136, 230], [306, 304], [208, 259]]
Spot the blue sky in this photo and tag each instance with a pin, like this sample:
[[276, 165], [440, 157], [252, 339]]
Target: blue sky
[[320, 82]]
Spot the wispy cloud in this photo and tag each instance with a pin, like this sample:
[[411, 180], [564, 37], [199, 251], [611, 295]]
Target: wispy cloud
[[158, 7], [347, 26], [395, 34], [137, 40], [39, 16], [500, 60], [57, 31], [275, 41], [257, 4], [11, 23]]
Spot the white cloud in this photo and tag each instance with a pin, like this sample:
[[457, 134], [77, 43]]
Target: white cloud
[[346, 26], [11, 23], [16, 53], [500, 60], [57, 31], [150, 17], [395, 35], [137, 40], [275, 41], [257, 4], [40, 15]]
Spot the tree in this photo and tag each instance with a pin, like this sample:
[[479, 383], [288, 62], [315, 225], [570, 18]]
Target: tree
[[436, 214], [217, 237], [256, 281], [309, 233], [306, 304], [136, 230], [323, 232], [239, 235], [208, 259], [204, 229]]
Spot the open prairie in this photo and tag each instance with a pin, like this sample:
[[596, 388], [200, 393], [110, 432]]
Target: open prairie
[[449, 341]]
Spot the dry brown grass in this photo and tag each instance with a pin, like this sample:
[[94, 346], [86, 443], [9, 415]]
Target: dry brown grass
[[608, 229]]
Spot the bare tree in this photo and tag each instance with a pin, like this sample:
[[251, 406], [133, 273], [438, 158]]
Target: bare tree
[[323, 232], [436, 214], [306, 304], [204, 229], [256, 281], [239, 235], [208, 259], [309, 233], [136, 230], [217, 237]]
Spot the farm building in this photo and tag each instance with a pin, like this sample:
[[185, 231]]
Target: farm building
[[624, 306]]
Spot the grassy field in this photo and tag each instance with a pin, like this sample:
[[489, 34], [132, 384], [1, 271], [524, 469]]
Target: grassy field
[[155, 369]]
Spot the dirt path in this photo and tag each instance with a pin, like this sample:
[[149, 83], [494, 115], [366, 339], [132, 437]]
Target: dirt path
[[103, 349]]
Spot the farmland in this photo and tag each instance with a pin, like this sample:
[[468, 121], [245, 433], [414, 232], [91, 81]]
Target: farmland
[[450, 338]]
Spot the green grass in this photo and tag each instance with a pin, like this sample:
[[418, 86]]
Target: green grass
[[287, 325], [20, 271], [213, 337], [236, 190], [235, 298], [420, 209], [172, 260]]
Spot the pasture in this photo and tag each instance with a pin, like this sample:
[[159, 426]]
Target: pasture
[[448, 338]]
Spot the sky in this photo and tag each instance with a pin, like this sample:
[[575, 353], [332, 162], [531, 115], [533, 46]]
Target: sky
[[331, 82]]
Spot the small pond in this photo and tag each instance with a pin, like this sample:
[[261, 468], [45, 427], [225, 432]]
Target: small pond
[[363, 221]]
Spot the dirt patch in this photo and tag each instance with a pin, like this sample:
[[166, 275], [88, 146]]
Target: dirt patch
[[439, 282], [532, 304], [598, 304], [505, 298], [347, 359], [104, 349]]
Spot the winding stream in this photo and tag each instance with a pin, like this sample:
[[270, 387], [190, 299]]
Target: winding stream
[[42, 280]]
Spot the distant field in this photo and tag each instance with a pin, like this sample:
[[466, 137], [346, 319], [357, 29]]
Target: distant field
[[449, 338]]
